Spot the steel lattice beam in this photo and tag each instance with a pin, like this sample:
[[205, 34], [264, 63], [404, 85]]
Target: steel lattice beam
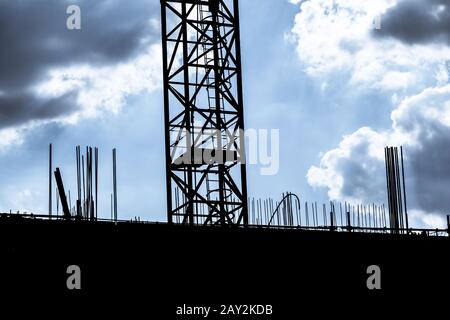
[[204, 120]]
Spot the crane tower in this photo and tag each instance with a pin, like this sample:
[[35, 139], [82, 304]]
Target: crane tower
[[203, 113]]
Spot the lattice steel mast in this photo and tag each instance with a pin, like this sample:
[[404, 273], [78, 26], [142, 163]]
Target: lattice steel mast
[[204, 120]]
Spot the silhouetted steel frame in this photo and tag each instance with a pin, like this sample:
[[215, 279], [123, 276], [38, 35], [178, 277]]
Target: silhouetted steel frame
[[185, 183]]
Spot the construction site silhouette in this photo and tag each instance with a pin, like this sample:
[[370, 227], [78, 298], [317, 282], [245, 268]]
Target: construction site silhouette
[[219, 244]]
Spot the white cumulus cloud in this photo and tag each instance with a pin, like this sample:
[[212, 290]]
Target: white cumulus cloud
[[100, 89], [339, 36], [355, 172], [337, 39], [10, 136]]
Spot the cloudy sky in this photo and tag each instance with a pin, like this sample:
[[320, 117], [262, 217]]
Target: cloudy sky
[[338, 89]]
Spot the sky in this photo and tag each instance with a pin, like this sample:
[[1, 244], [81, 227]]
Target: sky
[[338, 89]]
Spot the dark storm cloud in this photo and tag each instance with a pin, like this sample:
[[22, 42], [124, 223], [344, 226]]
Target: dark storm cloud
[[20, 108], [417, 22], [34, 39], [431, 171]]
